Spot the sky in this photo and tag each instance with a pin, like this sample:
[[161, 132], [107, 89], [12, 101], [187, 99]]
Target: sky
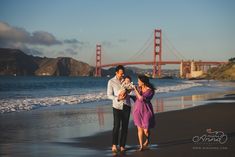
[[191, 29]]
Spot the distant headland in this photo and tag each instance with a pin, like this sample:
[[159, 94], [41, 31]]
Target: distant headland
[[17, 63]]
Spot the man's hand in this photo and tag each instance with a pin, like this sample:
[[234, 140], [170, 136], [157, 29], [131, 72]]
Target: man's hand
[[122, 95]]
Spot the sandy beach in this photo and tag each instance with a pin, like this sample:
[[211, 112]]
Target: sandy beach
[[175, 130], [84, 129]]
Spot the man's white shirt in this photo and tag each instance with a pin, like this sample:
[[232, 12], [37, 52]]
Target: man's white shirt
[[114, 85]]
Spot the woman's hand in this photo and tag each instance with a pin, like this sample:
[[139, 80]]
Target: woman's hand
[[135, 87]]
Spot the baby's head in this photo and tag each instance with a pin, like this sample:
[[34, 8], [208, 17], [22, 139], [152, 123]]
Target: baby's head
[[127, 79], [127, 84]]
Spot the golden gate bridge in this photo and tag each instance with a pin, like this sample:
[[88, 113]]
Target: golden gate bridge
[[186, 66]]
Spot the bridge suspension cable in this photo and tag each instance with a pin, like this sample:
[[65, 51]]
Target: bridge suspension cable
[[142, 49], [169, 49], [107, 57], [177, 53]]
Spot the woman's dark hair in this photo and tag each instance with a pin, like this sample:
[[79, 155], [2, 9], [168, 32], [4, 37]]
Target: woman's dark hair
[[119, 67], [145, 80]]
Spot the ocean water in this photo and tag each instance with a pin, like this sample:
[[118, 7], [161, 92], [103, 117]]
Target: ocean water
[[22, 93]]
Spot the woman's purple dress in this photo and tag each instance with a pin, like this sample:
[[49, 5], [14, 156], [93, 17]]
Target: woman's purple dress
[[143, 114]]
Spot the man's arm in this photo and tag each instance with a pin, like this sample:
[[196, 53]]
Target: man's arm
[[110, 92]]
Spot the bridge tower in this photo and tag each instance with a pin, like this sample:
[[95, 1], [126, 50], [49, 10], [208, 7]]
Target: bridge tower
[[157, 51], [98, 61]]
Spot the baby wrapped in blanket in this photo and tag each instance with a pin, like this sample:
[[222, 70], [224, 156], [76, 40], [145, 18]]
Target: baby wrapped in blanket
[[126, 86]]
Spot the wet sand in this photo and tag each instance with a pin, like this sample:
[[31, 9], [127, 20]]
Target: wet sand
[[174, 132], [83, 129]]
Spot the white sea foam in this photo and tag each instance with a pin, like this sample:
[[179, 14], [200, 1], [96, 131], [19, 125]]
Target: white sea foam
[[20, 104], [186, 85], [12, 105]]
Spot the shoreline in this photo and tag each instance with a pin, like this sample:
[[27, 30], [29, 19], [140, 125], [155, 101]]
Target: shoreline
[[173, 133], [28, 102], [85, 130]]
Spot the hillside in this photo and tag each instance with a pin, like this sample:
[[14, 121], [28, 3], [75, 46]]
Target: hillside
[[16, 62], [63, 66], [224, 72]]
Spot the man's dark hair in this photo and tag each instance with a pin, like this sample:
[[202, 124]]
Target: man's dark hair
[[119, 67]]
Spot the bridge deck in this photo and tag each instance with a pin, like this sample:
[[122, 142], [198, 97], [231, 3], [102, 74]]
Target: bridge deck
[[162, 63]]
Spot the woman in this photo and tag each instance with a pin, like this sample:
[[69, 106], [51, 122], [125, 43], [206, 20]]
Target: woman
[[143, 114]]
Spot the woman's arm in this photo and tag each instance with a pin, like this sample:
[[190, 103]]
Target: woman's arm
[[138, 96], [144, 97]]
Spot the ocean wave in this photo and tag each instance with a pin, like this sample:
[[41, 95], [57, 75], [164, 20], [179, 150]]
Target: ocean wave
[[13, 105], [185, 85], [24, 104]]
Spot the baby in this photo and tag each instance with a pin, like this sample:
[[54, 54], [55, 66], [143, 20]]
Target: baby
[[126, 86]]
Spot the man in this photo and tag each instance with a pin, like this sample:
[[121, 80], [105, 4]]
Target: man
[[121, 109]]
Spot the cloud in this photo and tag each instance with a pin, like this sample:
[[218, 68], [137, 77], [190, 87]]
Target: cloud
[[71, 41], [38, 42], [44, 38], [22, 47], [32, 51], [68, 52], [76, 43], [19, 38], [10, 34], [106, 44], [71, 51]]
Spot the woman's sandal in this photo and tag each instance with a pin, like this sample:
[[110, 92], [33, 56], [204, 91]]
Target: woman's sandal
[[140, 149], [146, 147], [123, 150]]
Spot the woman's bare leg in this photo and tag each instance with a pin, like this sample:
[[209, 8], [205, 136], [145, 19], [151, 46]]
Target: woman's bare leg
[[140, 137], [147, 134]]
